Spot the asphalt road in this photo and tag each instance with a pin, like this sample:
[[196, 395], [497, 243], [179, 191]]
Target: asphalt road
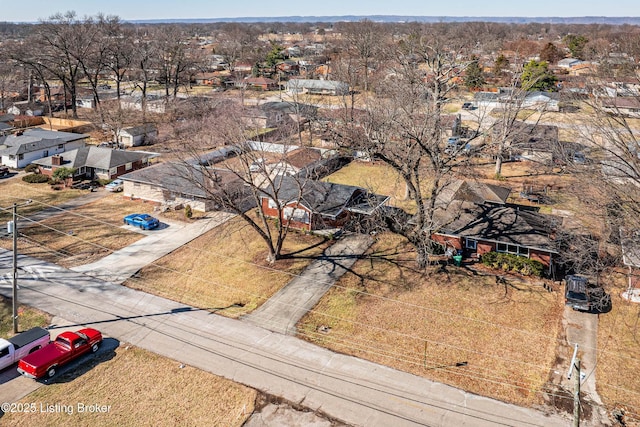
[[355, 391]]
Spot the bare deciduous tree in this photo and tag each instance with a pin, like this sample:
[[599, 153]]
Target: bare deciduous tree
[[234, 174], [405, 127]]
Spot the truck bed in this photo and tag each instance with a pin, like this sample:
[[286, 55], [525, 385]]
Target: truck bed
[[27, 337]]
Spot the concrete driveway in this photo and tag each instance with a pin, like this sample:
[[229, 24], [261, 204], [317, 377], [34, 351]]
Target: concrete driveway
[[285, 308], [126, 262]]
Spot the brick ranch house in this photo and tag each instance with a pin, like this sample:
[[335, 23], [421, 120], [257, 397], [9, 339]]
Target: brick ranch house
[[175, 184], [311, 205], [476, 219], [93, 162]]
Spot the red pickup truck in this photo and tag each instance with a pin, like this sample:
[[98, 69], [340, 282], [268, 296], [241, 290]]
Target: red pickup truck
[[66, 347]]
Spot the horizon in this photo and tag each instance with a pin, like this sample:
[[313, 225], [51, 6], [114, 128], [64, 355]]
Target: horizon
[[387, 18], [192, 10]]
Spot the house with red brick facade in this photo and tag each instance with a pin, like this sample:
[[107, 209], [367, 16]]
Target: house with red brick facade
[[93, 162], [310, 205], [475, 218]]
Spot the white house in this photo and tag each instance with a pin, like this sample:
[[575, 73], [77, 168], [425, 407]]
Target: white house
[[138, 135], [19, 150], [317, 87]]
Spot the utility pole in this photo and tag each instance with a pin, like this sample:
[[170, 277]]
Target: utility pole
[[575, 364], [14, 229], [576, 396]]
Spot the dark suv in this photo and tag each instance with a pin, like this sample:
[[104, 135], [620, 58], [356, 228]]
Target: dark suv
[[4, 171], [584, 296]]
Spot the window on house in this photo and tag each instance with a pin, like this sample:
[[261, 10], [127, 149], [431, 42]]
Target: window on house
[[128, 166], [471, 244], [273, 204], [113, 171], [20, 156], [298, 215], [512, 249], [45, 153], [60, 146]]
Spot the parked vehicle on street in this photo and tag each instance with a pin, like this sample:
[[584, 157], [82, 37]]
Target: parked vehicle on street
[[467, 106], [15, 348], [143, 221], [4, 171], [67, 347], [115, 185]]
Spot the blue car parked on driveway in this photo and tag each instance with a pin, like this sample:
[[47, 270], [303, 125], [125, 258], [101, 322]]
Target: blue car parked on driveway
[[144, 221]]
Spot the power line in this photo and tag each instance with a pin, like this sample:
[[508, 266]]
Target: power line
[[253, 349], [384, 329], [360, 324], [370, 349], [261, 296]]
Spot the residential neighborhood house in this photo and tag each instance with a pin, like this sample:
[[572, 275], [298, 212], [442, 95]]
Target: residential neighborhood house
[[176, 184], [311, 205], [138, 135], [93, 162], [22, 148], [474, 218], [317, 87]]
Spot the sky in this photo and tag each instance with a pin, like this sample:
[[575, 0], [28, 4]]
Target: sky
[[32, 10]]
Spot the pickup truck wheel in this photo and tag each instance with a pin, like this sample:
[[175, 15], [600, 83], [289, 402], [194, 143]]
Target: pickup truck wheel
[[51, 372], [94, 348]]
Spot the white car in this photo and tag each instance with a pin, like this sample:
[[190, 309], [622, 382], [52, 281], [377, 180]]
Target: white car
[[115, 185]]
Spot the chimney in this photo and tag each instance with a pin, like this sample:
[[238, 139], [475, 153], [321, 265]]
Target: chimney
[[56, 160]]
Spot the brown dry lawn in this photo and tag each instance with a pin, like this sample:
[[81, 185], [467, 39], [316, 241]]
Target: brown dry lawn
[[387, 312], [617, 376], [377, 177], [225, 270], [17, 191], [142, 389], [27, 318], [81, 236]]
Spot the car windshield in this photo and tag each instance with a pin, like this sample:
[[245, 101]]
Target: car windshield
[[577, 296]]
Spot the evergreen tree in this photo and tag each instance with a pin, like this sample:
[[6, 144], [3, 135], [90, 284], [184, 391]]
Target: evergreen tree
[[474, 77], [575, 44], [536, 76], [501, 64]]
